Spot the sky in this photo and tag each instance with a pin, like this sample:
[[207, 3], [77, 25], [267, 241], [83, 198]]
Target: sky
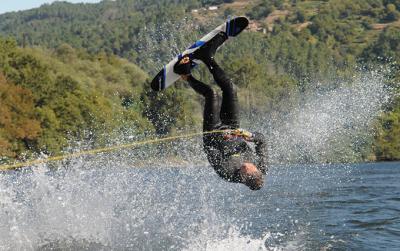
[[15, 5]]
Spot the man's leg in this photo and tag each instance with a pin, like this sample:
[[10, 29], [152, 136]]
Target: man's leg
[[230, 105], [210, 117]]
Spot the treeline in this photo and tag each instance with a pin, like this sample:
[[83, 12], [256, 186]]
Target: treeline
[[53, 99], [314, 41], [383, 11], [50, 98]]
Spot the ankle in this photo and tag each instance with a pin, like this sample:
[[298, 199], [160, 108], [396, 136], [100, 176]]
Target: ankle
[[208, 60], [186, 77]]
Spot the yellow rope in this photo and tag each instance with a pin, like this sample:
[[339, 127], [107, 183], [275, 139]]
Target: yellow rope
[[102, 150]]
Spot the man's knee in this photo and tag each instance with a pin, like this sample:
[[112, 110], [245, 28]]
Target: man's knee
[[234, 88], [211, 93], [230, 89]]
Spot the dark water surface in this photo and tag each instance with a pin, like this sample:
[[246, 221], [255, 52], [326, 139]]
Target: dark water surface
[[85, 207]]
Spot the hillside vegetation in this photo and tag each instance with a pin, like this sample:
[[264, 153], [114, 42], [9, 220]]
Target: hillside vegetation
[[76, 82], [46, 99]]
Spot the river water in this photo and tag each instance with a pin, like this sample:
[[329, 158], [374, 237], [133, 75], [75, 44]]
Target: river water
[[89, 206]]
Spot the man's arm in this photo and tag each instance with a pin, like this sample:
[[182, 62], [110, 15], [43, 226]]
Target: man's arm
[[225, 168], [261, 151], [213, 155]]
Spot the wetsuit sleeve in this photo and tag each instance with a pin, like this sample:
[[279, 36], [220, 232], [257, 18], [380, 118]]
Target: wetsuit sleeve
[[213, 156], [223, 166], [210, 145], [261, 151]]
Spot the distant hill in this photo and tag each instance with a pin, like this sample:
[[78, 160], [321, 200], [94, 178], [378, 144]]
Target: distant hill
[[143, 31], [123, 27]]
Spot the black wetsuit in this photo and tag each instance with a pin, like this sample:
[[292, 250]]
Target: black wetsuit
[[225, 155]]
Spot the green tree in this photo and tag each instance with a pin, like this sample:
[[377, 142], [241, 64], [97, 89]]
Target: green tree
[[18, 126], [165, 110]]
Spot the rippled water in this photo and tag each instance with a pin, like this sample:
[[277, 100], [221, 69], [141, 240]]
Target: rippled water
[[94, 207]]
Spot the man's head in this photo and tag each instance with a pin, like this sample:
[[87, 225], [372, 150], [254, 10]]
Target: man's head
[[251, 176]]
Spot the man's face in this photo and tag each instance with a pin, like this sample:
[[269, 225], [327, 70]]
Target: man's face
[[251, 176], [248, 169]]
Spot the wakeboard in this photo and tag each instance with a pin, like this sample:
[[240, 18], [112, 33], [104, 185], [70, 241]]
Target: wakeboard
[[166, 77]]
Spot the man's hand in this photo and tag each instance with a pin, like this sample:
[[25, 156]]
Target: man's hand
[[185, 60], [183, 67], [239, 133], [242, 132]]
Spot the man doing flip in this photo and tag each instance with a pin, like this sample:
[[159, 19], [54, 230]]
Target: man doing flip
[[230, 149]]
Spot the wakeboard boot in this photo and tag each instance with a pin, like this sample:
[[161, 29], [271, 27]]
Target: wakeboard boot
[[206, 52], [183, 66]]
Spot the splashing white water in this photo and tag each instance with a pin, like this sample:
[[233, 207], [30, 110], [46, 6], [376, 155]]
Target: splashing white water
[[88, 207], [330, 125], [233, 241]]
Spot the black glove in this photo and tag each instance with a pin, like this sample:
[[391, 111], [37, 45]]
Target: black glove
[[258, 137], [183, 66]]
